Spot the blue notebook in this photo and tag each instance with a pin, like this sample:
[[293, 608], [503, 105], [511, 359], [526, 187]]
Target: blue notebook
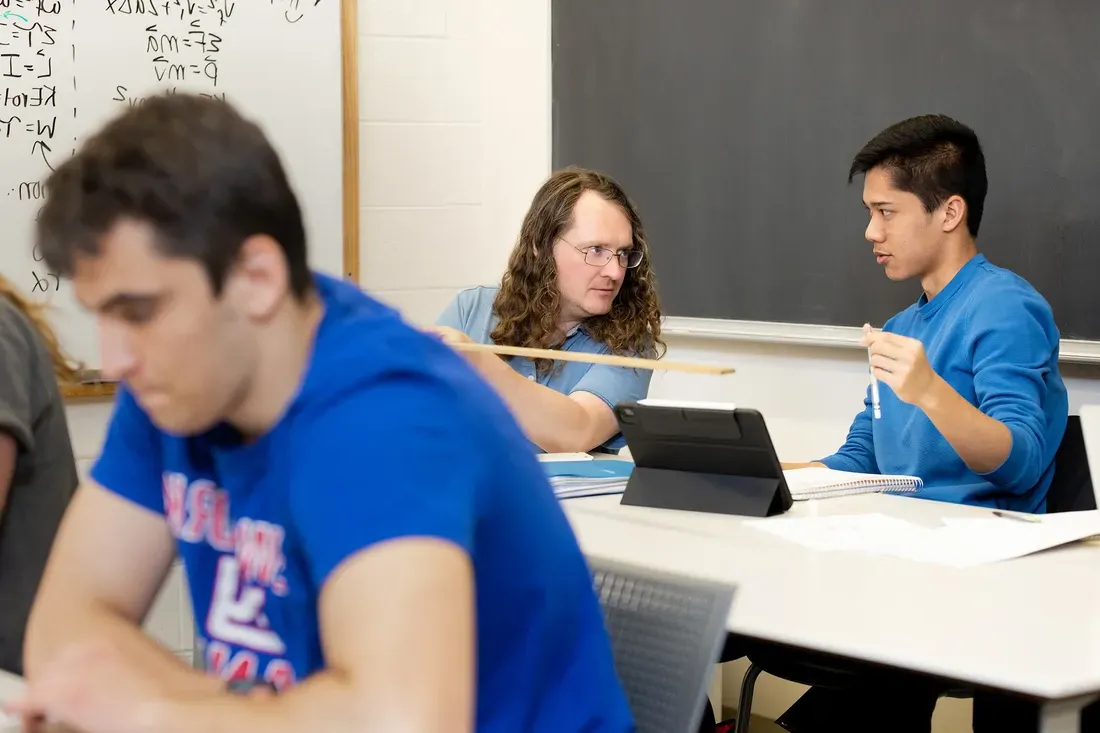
[[573, 479]]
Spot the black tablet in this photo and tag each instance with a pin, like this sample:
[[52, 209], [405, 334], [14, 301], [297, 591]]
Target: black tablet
[[701, 456]]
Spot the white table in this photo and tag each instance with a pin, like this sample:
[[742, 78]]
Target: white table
[[1029, 626]]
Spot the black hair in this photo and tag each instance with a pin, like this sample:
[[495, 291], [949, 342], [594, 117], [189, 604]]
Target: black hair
[[932, 157], [190, 166]]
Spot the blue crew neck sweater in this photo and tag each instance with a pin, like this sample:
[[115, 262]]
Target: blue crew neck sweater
[[992, 337]]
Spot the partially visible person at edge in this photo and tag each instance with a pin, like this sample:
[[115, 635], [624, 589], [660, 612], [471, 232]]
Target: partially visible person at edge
[[578, 279], [38, 473]]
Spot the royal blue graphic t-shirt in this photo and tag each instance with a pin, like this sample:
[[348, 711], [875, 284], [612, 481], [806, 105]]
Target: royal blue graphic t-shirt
[[391, 434]]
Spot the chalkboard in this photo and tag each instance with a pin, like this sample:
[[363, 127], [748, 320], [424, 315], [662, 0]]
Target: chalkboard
[[732, 125], [66, 66]]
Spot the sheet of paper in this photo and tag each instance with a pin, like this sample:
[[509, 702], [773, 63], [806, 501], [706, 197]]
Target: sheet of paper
[[855, 532], [556, 457], [981, 540], [956, 542]]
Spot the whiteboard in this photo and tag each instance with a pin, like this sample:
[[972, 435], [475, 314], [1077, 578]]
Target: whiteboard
[[68, 66]]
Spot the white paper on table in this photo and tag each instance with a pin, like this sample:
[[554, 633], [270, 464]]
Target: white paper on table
[[958, 542]]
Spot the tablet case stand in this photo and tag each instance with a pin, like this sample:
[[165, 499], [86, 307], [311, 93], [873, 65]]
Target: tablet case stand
[[716, 493], [702, 460]]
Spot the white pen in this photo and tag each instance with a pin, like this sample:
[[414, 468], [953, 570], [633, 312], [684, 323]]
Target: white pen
[[876, 408]]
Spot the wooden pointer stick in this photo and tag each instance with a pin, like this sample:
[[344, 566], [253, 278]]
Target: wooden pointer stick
[[622, 361]]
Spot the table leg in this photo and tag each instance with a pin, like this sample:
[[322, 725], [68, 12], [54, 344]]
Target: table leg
[[1063, 716]]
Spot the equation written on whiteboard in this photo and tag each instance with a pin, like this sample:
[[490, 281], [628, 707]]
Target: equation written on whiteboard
[[35, 96], [170, 45], [218, 10], [184, 47], [293, 10]]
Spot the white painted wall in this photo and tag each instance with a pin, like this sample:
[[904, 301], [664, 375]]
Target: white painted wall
[[455, 107], [455, 138]]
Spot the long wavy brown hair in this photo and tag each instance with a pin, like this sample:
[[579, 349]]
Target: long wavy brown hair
[[64, 368], [529, 303]]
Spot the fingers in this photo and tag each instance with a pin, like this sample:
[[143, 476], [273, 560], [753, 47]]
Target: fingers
[[896, 347], [36, 724], [446, 334], [892, 352], [881, 363], [33, 719], [19, 706], [41, 725], [32, 710]]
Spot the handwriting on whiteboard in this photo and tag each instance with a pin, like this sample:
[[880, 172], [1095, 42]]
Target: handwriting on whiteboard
[[295, 10], [182, 43], [35, 95]]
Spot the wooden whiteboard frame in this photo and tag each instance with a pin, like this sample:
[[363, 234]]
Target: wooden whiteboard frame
[[349, 84]]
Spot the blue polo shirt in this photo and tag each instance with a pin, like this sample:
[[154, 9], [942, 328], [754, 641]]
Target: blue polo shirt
[[472, 313], [992, 337], [391, 435]]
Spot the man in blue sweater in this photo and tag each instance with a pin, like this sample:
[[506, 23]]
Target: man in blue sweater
[[971, 397], [970, 393]]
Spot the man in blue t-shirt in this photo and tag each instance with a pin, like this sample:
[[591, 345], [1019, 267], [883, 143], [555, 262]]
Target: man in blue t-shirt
[[579, 279], [971, 398], [369, 542]]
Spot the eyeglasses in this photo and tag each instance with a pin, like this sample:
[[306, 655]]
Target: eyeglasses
[[598, 256]]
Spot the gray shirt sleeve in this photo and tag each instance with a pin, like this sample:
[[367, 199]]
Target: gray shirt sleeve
[[16, 365]]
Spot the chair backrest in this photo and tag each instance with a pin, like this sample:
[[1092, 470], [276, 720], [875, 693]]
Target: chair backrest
[[1071, 489], [666, 634]]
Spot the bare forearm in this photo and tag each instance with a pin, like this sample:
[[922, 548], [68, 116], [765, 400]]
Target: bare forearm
[[7, 468], [793, 466], [981, 441], [550, 419], [49, 631], [319, 703], [324, 702]]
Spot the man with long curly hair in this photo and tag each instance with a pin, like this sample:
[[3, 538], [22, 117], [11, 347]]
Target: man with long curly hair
[[579, 279]]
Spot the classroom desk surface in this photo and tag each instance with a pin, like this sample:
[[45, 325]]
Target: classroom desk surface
[[1029, 626]]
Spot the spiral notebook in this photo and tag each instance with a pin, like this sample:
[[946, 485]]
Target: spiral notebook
[[574, 479], [825, 483]]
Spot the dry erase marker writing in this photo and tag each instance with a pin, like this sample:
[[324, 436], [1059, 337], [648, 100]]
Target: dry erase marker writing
[[876, 408]]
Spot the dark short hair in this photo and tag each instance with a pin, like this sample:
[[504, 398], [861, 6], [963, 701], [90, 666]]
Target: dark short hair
[[932, 157], [201, 175]]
